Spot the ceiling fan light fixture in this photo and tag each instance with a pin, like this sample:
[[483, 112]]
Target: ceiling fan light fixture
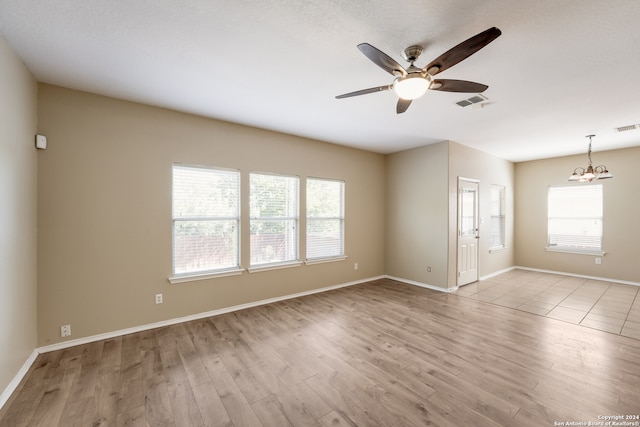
[[412, 86]]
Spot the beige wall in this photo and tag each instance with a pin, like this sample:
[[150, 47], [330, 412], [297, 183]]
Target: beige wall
[[417, 215], [487, 169], [105, 211], [621, 233], [102, 194], [18, 233], [421, 224]]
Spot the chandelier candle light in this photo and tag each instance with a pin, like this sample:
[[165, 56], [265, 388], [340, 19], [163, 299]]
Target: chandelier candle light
[[590, 173]]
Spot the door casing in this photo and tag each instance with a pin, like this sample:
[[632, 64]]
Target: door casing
[[468, 231]]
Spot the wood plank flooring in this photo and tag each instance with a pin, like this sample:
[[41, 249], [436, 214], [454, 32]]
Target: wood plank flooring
[[377, 354]]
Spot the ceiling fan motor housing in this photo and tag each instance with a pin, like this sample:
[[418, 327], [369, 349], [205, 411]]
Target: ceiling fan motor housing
[[412, 53]]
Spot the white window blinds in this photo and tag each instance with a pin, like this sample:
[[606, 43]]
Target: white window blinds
[[575, 217], [325, 218], [274, 212], [498, 217], [206, 215]]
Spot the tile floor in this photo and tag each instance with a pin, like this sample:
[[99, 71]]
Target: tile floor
[[606, 306]]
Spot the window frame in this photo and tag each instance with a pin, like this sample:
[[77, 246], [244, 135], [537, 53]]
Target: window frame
[[290, 261], [500, 219], [341, 218], [577, 249], [215, 272]]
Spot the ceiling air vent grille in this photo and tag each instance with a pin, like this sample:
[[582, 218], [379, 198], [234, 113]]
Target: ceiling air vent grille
[[627, 128], [475, 99]]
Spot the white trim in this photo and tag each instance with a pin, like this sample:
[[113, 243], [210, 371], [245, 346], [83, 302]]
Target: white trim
[[582, 276], [13, 385], [193, 277], [323, 260], [277, 266], [497, 249], [423, 285], [497, 273], [169, 322], [477, 181], [574, 251]]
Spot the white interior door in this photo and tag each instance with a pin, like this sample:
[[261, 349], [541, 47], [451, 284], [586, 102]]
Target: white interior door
[[467, 231]]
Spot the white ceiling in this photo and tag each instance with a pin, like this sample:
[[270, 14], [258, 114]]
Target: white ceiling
[[562, 69]]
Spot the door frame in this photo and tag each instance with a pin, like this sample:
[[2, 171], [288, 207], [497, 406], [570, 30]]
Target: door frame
[[468, 278]]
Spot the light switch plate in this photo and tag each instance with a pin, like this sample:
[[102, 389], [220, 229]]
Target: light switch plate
[[41, 142]]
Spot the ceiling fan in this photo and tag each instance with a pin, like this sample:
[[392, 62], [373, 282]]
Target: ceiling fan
[[413, 82]]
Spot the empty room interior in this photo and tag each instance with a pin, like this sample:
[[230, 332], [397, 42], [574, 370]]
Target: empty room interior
[[233, 214]]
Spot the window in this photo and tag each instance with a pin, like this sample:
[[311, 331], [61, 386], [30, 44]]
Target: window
[[575, 218], [498, 225], [206, 217], [325, 218], [273, 207]]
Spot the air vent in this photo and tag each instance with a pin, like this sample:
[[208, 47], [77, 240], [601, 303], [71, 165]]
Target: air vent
[[475, 99], [627, 128]]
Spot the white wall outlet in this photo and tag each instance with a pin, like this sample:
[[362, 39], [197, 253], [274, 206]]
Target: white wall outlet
[[598, 261], [428, 269], [65, 331], [355, 266], [158, 298]]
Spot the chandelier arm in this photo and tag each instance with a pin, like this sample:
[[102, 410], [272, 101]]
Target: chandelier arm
[[590, 173]]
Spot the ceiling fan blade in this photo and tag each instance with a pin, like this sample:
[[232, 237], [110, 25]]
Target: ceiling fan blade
[[445, 85], [364, 91], [382, 60], [462, 51], [402, 106]]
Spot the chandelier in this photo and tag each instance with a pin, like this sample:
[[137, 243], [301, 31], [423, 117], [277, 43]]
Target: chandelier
[[591, 172]]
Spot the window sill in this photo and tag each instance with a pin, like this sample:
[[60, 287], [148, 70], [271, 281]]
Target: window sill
[[324, 260], [575, 251], [274, 266], [204, 276], [494, 250]]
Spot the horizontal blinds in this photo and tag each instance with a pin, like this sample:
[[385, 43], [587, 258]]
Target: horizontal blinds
[[200, 192], [273, 208], [325, 218], [205, 219], [498, 217], [575, 217]]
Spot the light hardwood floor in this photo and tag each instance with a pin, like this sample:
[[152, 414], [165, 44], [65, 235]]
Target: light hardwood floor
[[381, 353]]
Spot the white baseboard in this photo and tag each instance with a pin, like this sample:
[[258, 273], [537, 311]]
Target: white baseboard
[[516, 267], [497, 273], [13, 385], [449, 290], [582, 276], [6, 394], [423, 285], [169, 322]]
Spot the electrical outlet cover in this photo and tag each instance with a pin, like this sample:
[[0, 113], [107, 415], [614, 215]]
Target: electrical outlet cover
[[65, 331]]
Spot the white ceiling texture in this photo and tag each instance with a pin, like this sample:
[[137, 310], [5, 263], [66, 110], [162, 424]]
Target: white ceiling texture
[[561, 69]]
